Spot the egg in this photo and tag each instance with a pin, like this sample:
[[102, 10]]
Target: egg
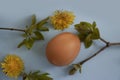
[[63, 49]]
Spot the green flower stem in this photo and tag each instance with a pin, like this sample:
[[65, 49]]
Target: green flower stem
[[13, 29], [108, 44]]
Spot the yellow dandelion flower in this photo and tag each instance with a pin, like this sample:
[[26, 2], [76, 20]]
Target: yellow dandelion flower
[[62, 19], [12, 66]]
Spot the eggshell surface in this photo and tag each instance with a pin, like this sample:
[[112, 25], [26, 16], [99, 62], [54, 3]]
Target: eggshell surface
[[63, 49]]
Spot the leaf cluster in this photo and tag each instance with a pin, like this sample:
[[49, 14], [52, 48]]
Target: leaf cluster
[[36, 76], [33, 32], [87, 32]]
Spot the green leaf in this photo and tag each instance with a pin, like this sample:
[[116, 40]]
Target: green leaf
[[84, 28], [29, 43], [88, 41], [45, 74], [78, 67], [95, 34], [22, 43], [94, 24], [31, 28], [72, 71], [39, 35], [87, 32], [42, 22], [35, 73], [82, 37], [33, 20], [27, 78], [44, 77], [24, 35], [35, 38], [80, 29], [37, 76], [43, 29], [86, 25]]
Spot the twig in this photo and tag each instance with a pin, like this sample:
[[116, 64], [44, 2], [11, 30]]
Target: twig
[[103, 48], [108, 44], [114, 43], [13, 29], [103, 40]]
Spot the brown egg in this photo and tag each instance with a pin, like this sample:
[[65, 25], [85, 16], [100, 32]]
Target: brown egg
[[63, 49]]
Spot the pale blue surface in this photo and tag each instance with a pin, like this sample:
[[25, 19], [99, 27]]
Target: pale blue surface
[[105, 66]]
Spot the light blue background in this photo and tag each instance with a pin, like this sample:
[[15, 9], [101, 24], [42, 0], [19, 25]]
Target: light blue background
[[105, 66]]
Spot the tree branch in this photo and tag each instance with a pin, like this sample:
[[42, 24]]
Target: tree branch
[[13, 29], [108, 44], [103, 48]]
